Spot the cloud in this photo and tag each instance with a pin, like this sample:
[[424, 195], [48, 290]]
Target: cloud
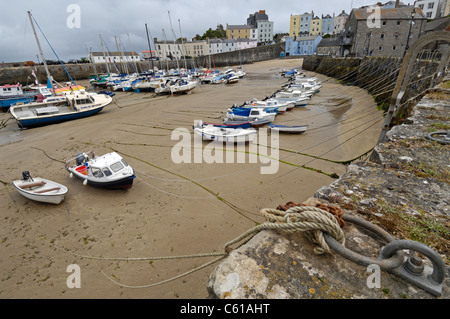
[[125, 19]]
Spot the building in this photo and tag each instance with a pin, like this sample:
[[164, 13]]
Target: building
[[432, 9], [214, 46], [339, 22], [257, 16], [239, 31], [306, 45], [327, 25], [242, 44], [390, 37], [300, 24], [262, 28], [147, 55], [265, 31], [229, 45], [331, 46], [195, 48], [113, 57], [315, 27]]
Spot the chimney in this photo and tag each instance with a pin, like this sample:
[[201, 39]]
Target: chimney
[[397, 3]]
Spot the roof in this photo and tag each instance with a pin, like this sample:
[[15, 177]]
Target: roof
[[307, 38], [438, 24], [403, 13], [115, 53], [331, 42], [240, 26]]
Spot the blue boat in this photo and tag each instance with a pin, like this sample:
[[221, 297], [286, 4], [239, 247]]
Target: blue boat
[[13, 94], [75, 106]]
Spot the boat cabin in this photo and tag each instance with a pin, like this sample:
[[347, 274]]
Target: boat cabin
[[105, 166], [10, 90]]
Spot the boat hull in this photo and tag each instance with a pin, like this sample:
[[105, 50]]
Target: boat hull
[[47, 196], [124, 183], [54, 119]]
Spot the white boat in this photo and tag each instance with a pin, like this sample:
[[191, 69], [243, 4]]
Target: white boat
[[74, 105], [297, 99], [40, 189], [183, 86], [282, 106], [109, 171], [251, 115], [226, 135], [288, 129]]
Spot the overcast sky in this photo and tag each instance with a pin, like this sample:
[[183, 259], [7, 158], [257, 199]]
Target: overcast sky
[[126, 20]]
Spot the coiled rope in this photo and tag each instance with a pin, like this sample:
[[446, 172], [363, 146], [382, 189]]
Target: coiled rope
[[297, 217]]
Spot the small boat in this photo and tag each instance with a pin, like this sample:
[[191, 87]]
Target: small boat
[[231, 124], [182, 86], [226, 135], [71, 106], [13, 94], [288, 129], [109, 171], [40, 189], [251, 114]]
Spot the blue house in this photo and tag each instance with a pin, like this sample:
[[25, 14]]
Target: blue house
[[302, 45], [327, 25]]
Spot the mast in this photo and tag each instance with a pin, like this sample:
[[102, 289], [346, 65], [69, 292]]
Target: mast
[[150, 48], [49, 77], [135, 63], [165, 44], [104, 55], [174, 42], [182, 45]]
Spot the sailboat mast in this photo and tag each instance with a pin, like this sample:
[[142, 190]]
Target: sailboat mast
[[104, 54], [41, 53], [174, 42], [182, 45], [150, 48]]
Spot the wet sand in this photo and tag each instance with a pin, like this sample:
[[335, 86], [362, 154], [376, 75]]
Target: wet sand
[[172, 209]]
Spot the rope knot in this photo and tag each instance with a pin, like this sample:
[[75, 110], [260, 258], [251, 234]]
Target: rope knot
[[311, 220]]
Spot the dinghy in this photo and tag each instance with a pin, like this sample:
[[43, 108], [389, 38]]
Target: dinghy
[[226, 135], [40, 189], [109, 171], [288, 129]]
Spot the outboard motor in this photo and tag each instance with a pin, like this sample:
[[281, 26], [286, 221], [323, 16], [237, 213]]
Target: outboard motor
[[80, 158], [26, 176]]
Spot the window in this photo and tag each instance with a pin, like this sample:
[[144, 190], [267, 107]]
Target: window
[[380, 48], [431, 5], [116, 166], [398, 22], [382, 36], [96, 172], [384, 22], [394, 48]]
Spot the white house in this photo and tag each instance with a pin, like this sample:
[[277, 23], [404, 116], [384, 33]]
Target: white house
[[229, 45], [242, 44], [214, 46], [265, 31], [431, 8], [99, 57]]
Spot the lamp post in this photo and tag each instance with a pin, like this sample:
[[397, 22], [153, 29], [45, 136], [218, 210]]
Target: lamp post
[[413, 14]]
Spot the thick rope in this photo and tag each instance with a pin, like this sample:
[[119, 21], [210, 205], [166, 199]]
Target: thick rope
[[311, 220]]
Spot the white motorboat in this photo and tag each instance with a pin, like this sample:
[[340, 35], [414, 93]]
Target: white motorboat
[[109, 171], [226, 135], [40, 189], [250, 114]]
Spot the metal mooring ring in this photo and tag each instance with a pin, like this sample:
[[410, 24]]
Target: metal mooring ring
[[439, 267], [393, 261], [442, 137]]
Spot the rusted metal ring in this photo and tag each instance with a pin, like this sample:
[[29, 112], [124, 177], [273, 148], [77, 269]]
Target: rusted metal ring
[[395, 260]]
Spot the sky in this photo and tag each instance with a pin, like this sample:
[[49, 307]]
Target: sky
[[73, 27]]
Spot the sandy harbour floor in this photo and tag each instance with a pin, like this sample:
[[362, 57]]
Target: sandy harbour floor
[[172, 209]]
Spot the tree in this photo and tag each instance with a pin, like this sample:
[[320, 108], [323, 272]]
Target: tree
[[210, 33]]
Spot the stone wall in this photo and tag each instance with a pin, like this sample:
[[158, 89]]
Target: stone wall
[[10, 75]]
